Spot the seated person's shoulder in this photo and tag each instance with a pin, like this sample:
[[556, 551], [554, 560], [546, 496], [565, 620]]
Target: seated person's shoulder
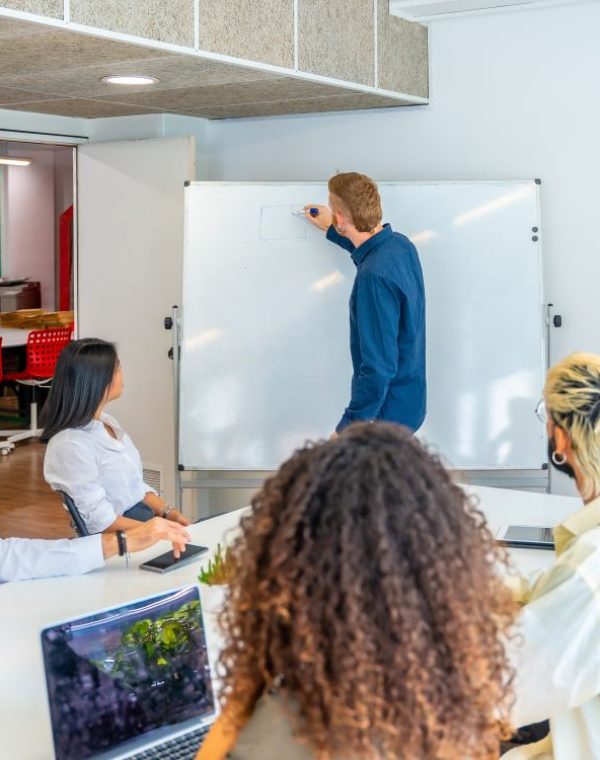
[[68, 437], [112, 422], [578, 566], [270, 732], [69, 443], [109, 419], [584, 550]]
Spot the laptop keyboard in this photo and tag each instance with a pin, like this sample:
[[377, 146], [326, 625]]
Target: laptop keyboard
[[182, 748]]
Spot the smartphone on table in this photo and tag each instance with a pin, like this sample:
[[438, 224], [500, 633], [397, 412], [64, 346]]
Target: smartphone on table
[[167, 561], [525, 537]]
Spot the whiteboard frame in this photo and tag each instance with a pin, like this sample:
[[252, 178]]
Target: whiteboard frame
[[224, 482]]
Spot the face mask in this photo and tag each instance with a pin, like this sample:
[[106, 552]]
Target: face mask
[[565, 468]]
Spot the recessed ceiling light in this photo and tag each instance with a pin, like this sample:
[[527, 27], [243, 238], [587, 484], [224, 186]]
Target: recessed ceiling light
[[14, 161], [130, 79]]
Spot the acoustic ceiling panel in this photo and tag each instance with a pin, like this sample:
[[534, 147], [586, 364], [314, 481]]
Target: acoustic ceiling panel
[[12, 95], [11, 27], [265, 91], [53, 8], [59, 50], [171, 21], [175, 72], [81, 108], [347, 102], [337, 39], [261, 30], [56, 70], [402, 54]]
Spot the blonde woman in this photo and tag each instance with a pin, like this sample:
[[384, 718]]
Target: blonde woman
[[558, 662]]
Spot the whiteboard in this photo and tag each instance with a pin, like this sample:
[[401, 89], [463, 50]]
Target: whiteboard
[[265, 359]]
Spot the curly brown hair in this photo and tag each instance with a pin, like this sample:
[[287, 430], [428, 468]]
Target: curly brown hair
[[366, 588]]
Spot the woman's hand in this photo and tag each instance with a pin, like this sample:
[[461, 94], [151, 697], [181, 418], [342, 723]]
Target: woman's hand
[[177, 517], [162, 509]]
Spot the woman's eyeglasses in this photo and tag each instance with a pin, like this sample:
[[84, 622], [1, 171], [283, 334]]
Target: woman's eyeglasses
[[541, 412]]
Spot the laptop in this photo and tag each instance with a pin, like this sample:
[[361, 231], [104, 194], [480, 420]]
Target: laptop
[[132, 681]]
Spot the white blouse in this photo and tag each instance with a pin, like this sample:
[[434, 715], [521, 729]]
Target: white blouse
[[103, 476], [556, 652]]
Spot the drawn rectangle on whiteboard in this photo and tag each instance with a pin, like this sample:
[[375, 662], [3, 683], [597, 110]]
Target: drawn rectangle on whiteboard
[[278, 223]]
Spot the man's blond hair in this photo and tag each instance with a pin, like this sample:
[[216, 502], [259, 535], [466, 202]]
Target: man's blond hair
[[360, 198]]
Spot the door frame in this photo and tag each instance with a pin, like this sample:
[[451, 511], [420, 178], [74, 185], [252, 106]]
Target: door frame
[[55, 140]]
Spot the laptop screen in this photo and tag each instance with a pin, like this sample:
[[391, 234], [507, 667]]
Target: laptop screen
[[126, 672]]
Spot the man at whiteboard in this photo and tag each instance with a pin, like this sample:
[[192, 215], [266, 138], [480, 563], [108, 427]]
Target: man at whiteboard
[[387, 305]]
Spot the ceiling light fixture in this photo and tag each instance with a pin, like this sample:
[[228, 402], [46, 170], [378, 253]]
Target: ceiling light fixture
[[14, 161], [130, 79]]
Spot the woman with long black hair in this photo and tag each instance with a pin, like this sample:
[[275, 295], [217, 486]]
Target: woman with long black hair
[[89, 455]]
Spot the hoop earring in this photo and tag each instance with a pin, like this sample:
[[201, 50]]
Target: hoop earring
[[558, 459], [340, 230]]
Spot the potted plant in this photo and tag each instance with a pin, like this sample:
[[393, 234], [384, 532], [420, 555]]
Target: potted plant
[[219, 568], [213, 579]]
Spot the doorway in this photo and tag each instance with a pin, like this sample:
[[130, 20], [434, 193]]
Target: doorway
[[37, 256]]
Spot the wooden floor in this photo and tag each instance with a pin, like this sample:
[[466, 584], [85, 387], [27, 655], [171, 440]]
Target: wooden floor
[[28, 506]]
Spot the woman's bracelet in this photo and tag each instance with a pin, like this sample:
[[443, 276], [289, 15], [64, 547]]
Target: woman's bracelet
[[165, 511]]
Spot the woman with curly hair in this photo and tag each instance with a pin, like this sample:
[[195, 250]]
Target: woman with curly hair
[[365, 616]]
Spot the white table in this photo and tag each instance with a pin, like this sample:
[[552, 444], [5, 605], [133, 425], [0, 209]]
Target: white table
[[27, 607], [504, 507], [13, 337]]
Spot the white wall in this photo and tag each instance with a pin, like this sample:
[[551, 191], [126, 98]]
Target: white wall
[[130, 276], [175, 125], [514, 95], [148, 126], [29, 223], [143, 126], [22, 125]]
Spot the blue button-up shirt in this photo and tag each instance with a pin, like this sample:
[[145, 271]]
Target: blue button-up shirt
[[387, 330]]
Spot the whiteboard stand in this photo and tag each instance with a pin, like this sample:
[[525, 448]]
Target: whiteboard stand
[[204, 487], [182, 483], [172, 323], [551, 320]]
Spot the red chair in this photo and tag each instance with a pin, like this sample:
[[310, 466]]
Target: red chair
[[41, 354]]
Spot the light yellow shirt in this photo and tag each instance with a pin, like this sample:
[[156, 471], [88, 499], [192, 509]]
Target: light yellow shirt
[[557, 659]]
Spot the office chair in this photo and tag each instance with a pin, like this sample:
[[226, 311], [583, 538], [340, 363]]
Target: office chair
[[42, 352], [76, 519]]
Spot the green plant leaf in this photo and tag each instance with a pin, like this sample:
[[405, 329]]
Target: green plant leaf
[[170, 633]]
